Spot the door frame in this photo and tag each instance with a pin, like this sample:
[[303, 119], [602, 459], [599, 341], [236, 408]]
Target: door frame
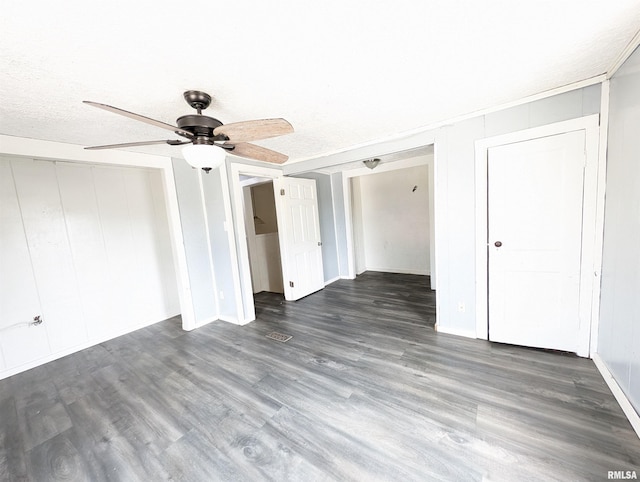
[[592, 222], [237, 206], [414, 161]]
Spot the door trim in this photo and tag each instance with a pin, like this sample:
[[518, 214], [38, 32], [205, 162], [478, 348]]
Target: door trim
[[237, 203], [414, 161], [592, 222]]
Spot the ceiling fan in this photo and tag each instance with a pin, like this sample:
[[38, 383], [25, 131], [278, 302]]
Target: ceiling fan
[[207, 140]]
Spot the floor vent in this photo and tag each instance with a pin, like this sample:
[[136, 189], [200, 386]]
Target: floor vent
[[274, 335]]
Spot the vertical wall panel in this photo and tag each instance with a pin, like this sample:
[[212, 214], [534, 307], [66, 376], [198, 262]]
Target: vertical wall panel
[[619, 334], [118, 239], [162, 242], [340, 224], [18, 293], [148, 290], [192, 218], [44, 224], [219, 239], [79, 201]]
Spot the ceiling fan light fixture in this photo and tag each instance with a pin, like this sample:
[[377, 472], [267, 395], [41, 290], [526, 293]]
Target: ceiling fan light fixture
[[204, 156], [371, 163]]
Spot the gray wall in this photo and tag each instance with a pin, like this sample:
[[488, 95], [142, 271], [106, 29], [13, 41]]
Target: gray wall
[[196, 207], [220, 247], [341, 228], [455, 189], [619, 334], [195, 241], [327, 224]]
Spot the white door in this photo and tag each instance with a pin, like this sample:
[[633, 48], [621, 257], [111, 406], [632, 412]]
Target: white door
[[299, 235], [535, 201]]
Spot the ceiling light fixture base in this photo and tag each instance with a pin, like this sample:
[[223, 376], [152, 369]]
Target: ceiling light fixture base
[[371, 163]]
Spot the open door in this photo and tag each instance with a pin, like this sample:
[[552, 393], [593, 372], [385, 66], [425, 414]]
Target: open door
[[299, 236]]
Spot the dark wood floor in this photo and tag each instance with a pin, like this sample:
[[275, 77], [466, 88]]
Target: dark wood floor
[[365, 390]]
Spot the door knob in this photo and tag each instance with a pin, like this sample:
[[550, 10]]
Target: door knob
[[497, 244]]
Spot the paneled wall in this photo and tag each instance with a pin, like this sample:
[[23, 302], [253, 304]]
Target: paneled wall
[[84, 247], [619, 334]]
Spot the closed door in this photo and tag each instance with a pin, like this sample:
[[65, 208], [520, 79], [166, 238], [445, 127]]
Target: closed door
[[535, 201], [299, 236]]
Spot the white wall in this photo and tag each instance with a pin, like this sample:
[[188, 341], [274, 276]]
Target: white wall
[[393, 221], [619, 334], [88, 248]]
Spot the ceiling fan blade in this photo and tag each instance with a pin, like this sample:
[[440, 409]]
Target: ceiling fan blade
[[258, 153], [254, 130], [134, 144], [138, 117]]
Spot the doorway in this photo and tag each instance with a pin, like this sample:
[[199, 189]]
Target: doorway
[[261, 225], [422, 157], [298, 233], [390, 212]]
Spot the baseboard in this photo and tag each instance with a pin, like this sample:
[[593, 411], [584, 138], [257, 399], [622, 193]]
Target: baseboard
[[399, 271], [455, 331], [621, 398]]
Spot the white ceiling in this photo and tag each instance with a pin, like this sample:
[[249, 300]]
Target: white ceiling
[[342, 72]]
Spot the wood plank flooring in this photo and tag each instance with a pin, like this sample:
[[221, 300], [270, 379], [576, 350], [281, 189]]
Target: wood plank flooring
[[365, 390]]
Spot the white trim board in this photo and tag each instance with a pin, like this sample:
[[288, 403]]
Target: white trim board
[[624, 55], [378, 269], [619, 395], [454, 331], [593, 225], [600, 201]]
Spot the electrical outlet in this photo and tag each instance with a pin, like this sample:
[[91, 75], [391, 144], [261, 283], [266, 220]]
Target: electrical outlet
[[461, 307], [221, 295]]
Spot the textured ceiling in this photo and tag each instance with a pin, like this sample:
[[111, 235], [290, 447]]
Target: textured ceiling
[[342, 72]]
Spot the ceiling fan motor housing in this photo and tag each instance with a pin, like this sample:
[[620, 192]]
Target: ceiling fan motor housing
[[200, 126]]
